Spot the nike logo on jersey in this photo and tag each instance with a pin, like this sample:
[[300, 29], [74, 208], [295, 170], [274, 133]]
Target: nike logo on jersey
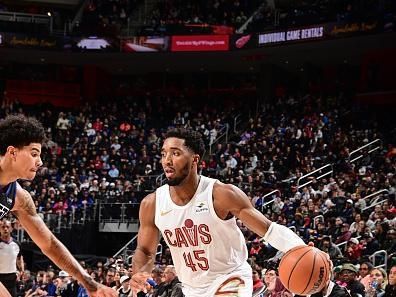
[[164, 213]]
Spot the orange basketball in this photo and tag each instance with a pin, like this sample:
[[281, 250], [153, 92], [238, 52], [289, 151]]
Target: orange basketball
[[304, 270]]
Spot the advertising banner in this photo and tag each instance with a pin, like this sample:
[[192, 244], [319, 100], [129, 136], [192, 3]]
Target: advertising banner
[[96, 43], [145, 44], [350, 29], [24, 41], [280, 37], [196, 43]]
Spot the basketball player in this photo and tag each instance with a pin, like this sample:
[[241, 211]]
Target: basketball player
[[197, 218], [20, 149]]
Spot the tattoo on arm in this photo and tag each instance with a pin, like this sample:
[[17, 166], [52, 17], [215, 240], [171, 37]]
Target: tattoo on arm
[[49, 244], [28, 204]]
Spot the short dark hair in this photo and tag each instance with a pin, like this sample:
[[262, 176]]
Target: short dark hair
[[19, 131], [192, 139]]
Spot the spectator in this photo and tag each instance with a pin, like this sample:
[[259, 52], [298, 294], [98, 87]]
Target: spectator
[[377, 284], [390, 289], [332, 249], [125, 289], [275, 287], [110, 275], [257, 282], [11, 259], [348, 275], [345, 234], [364, 273], [173, 285], [353, 250]]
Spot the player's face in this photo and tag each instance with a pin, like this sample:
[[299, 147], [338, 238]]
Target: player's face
[[176, 160], [27, 160], [6, 229]]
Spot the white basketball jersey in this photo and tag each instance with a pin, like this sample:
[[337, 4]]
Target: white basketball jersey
[[203, 246]]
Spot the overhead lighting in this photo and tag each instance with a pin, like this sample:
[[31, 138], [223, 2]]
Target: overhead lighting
[[49, 13]]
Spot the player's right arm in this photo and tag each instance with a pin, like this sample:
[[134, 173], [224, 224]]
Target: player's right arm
[[3, 291], [148, 238]]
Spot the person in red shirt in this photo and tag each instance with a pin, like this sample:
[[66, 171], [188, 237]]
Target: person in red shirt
[[257, 281], [255, 249], [353, 250]]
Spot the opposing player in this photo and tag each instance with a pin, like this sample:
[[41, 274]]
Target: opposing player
[[21, 139], [197, 218]]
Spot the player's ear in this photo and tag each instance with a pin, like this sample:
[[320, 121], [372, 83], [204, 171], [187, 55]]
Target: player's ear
[[196, 158], [12, 151]]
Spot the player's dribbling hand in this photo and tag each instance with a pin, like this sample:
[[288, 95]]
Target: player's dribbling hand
[[103, 291], [138, 281]]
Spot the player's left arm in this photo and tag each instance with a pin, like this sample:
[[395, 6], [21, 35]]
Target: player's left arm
[[230, 199], [25, 210]]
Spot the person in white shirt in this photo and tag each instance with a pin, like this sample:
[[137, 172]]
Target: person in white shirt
[[10, 258]]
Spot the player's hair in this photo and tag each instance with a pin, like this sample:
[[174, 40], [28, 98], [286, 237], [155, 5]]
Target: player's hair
[[19, 131], [192, 139]]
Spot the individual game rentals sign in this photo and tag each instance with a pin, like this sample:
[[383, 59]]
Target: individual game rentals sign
[[280, 37]]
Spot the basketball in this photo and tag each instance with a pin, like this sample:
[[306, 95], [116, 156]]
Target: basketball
[[304, 270]]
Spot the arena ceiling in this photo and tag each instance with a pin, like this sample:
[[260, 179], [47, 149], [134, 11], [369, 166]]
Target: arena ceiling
[[292, 57]]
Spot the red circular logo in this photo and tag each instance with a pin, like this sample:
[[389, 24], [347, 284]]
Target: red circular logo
[[188, 223]]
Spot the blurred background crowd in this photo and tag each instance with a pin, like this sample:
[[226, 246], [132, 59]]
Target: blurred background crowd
[[287, 127]]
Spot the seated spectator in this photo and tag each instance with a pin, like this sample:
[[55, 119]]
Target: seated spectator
[[353, 250], [345, 234], [364, 273], [125, 288], [255, 248], [390, 289], [173, 285], [329, 247], [348, 275], [378, 282], [257, 282], [370, 243], [275, 288]]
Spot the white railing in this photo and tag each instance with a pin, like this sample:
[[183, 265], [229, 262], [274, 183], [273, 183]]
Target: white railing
[[374, 204], [222, 132], [373, 259], [124, 251], [345, 242], [317, 217], [118, 212], [27, 18], [79, 15], [125, 247], [320, 170], [269, 202], [250, 19], [358, 153], [146, 183], [236, 122], [376, 194]]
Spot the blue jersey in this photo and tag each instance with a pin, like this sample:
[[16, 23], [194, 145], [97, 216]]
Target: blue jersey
[[7, 198]]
